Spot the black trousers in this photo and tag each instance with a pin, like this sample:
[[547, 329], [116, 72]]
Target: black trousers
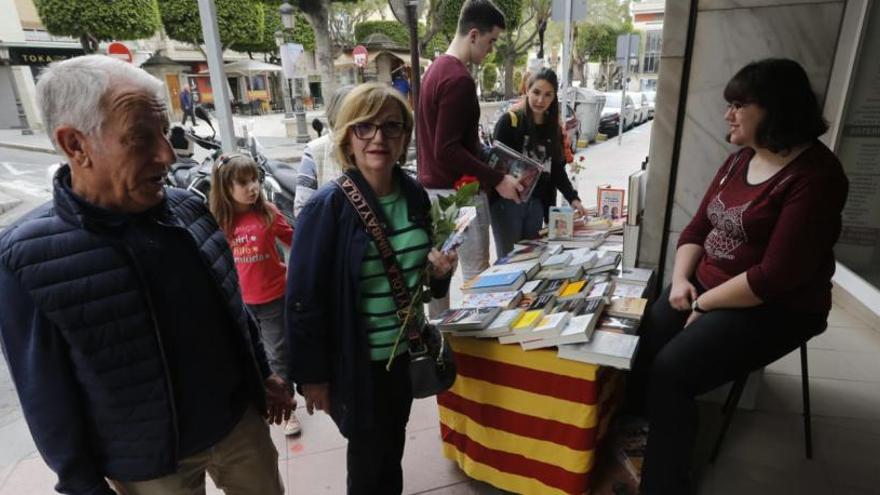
[[676, 364], [189, 113], [374, 455]]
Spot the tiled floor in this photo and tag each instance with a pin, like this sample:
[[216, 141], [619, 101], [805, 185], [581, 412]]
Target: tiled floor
[[763, 452]]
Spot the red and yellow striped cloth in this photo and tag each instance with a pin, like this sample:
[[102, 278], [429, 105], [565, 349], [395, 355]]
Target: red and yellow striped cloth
[[525, 422]]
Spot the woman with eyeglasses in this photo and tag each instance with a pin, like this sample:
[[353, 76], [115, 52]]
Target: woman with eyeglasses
[[348, 357], [752, 274]]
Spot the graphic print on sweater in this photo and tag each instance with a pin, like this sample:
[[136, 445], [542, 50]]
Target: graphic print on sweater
[[727, 229]]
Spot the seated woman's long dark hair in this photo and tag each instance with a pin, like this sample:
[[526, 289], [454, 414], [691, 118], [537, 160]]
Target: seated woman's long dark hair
[[552, 117]]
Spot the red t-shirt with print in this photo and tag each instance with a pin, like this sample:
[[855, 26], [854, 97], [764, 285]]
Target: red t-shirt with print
[[780, 232], [261, 271]]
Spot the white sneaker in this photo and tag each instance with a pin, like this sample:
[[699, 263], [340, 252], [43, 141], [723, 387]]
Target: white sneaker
[[292, 426]]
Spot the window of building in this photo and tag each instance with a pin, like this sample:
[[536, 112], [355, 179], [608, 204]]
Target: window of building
[[651, 61]]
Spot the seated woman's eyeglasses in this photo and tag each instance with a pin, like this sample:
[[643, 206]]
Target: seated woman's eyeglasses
[[367, 130]]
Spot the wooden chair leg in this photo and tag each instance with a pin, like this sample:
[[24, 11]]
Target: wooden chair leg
[[727, 411], [805, 383]]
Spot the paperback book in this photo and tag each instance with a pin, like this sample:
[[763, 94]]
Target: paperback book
[[460, 319], [498, 282], [627, 307], [508, 161], [605, 349], [503, 300]]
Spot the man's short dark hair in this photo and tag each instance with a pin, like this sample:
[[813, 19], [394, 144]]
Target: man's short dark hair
[[781, 87], [482, 15]]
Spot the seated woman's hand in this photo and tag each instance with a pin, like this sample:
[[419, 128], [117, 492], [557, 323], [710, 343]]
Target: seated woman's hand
[[682, 294], [440, 265]]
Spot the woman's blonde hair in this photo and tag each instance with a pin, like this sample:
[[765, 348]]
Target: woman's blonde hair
[[361, 105], [228, 170]]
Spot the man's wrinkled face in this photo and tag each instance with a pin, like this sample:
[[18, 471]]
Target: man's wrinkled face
[[128, 160]]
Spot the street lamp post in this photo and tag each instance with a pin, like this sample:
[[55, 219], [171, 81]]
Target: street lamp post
[[302, 134], [285, 86]]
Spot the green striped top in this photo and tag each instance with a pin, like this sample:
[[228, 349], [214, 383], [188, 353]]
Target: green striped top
[[411, 246]]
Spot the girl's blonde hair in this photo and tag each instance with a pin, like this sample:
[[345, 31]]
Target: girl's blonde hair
[[361, 105], [228, 170]]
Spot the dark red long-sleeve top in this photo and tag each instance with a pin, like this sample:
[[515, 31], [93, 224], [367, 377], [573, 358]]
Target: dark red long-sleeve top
[[780, 231], [448, 118]]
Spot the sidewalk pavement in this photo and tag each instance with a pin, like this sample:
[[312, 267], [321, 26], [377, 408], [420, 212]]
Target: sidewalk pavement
[[610, 163], [7, 202]]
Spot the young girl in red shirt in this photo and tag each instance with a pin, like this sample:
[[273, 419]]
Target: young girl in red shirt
[[253, 226]]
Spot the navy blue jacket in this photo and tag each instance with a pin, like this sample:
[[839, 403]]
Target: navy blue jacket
[[79, 333], [326, 336]]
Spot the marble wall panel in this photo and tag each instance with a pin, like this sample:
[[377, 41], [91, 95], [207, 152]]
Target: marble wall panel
[[748, 4]]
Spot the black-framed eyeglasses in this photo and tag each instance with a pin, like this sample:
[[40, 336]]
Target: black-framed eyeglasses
[[738, 105], [367, 130]]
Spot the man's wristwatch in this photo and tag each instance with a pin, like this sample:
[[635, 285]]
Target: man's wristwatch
[[696, 308]]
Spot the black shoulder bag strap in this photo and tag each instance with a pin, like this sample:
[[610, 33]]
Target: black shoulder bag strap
[[399, 290]]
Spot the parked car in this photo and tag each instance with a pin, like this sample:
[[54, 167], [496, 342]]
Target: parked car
[[650, 96], [609, 123], [641, 106]]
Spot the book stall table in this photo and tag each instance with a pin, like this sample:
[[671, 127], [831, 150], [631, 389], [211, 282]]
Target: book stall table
[[526, 421]]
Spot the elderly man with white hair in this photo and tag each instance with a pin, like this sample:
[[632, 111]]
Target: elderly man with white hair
[[136, 362]]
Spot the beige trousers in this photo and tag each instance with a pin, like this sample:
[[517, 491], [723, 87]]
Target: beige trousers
[[245, 462]]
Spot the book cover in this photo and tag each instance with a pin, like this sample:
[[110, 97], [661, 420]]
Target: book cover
[[560, 223], [605, 349], [543, 300], [635, 275], [600, 289], [529, 267], [466, 215], [563, 273], [616, 324], [504, 300], [573, 306], [503, 323], [533, 286], [557, 260], [610, 202], [508, 161], [553, 286], [551, 324], [456, 319], [574, 289], [585, 258], [628, 307], [606, 263], [522, 327], [626, 289], [498, 282]]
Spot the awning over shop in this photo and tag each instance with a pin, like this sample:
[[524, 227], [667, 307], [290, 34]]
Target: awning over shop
[[247, 67]]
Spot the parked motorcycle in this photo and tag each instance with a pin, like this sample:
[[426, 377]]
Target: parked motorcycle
[[278, 178]]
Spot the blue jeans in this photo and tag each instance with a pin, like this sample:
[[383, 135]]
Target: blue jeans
[[513, 222], [270, 316]]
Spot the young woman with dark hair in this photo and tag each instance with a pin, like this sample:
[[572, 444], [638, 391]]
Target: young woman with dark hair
[[533, 129], [752, 274]]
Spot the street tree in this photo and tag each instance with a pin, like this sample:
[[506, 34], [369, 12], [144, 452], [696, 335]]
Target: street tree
[[301, 33], [239, 21], [488, 78], [93, 21], [526, 19]]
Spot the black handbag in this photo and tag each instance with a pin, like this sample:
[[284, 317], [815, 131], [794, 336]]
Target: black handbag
[[431, 364]]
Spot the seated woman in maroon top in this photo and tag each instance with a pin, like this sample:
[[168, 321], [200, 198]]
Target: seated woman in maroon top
[[752, 275]]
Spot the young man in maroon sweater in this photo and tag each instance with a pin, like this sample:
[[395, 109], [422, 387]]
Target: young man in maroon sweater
[[448, 117]]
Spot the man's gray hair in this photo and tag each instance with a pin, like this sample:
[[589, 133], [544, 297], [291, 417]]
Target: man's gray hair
[[70, 92]]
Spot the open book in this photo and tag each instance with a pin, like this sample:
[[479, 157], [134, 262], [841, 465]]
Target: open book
[[508, 161]]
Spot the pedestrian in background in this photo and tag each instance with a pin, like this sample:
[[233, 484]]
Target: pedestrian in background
[[319, 165], [533, 129], [186, 105], [448, 136], [342, 321], [253, 226]]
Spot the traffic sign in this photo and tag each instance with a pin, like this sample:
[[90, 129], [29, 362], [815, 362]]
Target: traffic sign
[[120, 51], [359, 53]]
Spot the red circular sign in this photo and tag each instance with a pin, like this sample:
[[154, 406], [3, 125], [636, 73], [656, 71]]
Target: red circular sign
[[120, 51], [359, 53]]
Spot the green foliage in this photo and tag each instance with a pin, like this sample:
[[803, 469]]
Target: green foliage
[[398, 32], [517, 77], [489, 77], [512, 10], [239, 21], [302, 33], [598, 42], [99, 20]]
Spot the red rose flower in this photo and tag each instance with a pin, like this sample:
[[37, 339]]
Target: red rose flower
[[463, 181]]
